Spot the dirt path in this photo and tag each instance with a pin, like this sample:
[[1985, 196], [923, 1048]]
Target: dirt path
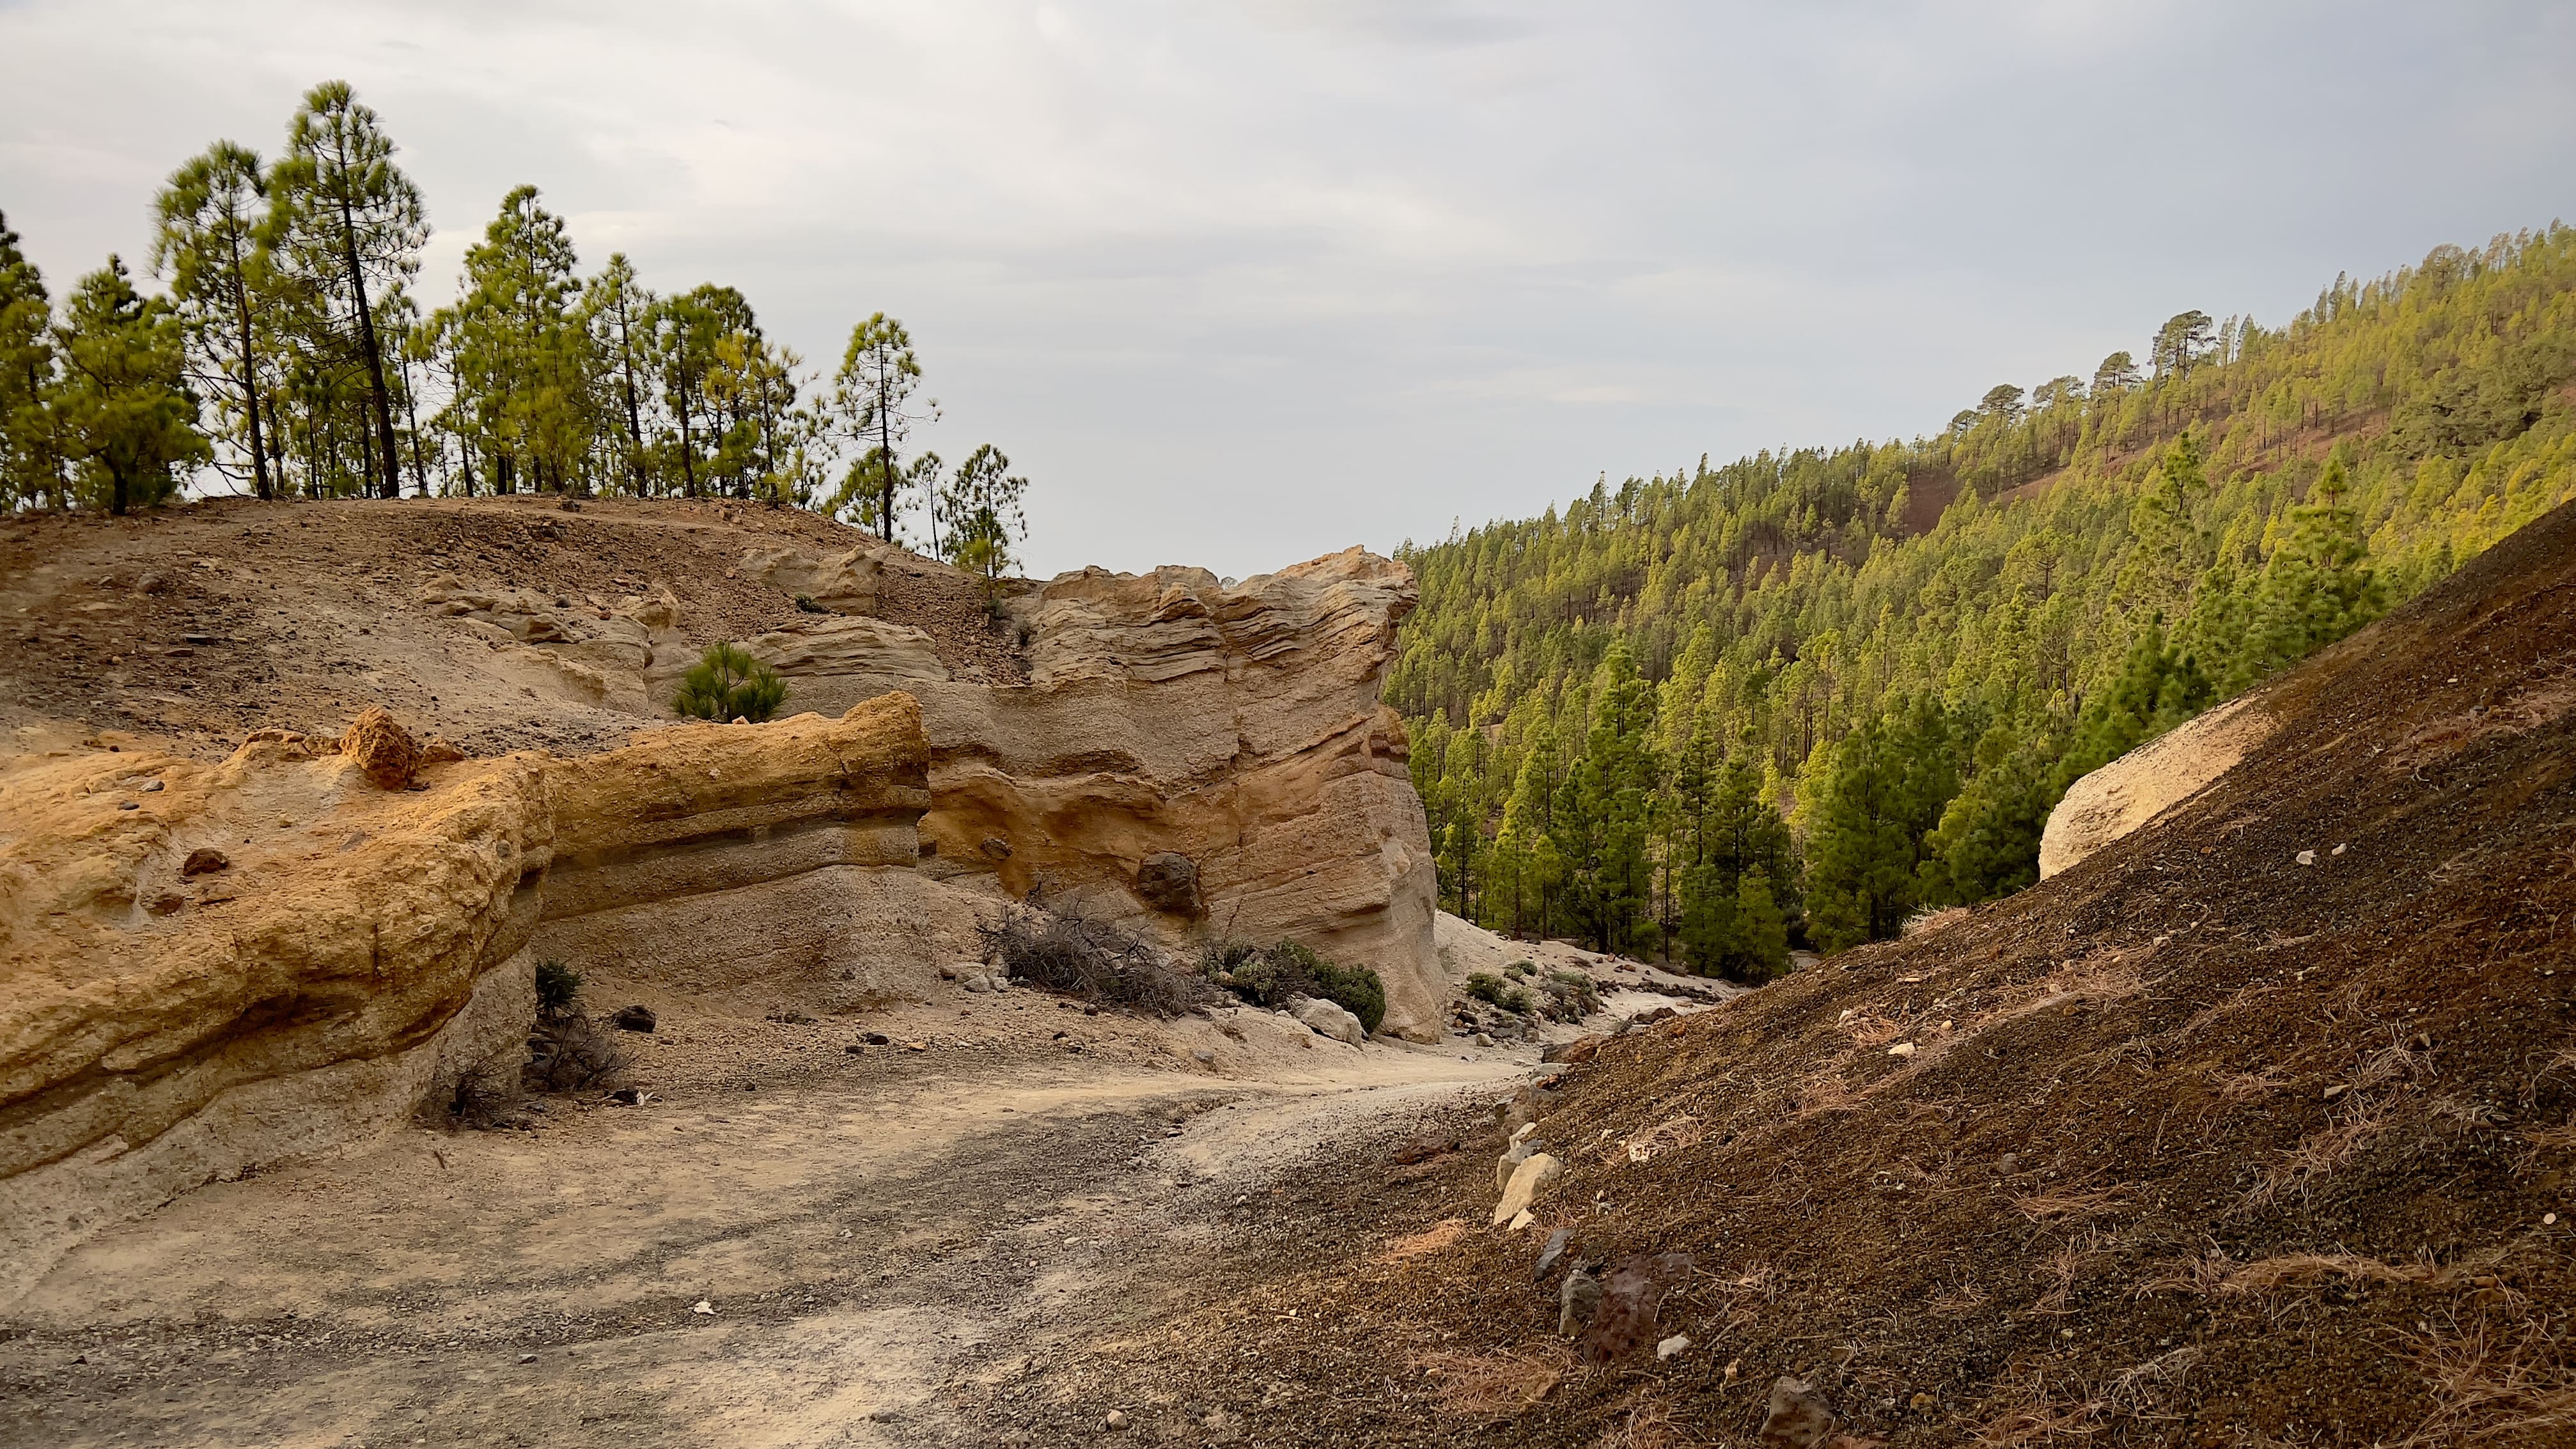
[[877, 1249]]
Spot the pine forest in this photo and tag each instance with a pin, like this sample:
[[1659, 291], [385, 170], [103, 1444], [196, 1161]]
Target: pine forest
[[1804, 697]]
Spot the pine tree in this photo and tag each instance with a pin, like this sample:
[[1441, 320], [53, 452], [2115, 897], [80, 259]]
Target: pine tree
[[520, 358], [2318, 585], [352, 224], [872, 401], [128, 419], [31, 455], [727, 684], [616, 311], [210, 241]]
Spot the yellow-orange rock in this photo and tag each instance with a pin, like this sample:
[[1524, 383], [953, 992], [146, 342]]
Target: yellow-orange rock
[[384, 751], [160, 1030]]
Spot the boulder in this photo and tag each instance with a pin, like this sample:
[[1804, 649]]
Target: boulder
[[381, 748], [1533, 1175], [1328, 1018], [2133, 790], [1169, 882]]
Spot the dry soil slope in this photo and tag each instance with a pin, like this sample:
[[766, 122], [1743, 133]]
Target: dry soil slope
[[2252, 1128]]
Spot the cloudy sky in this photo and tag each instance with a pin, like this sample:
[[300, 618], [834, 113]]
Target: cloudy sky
[[1240, 283]]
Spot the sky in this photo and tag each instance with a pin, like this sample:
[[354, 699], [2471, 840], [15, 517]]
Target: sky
[[1238, 284]]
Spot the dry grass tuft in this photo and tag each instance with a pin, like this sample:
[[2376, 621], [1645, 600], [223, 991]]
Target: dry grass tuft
[[1430, 1240], [1496, 1385], [2033, 1413], [1649, 1425], [2067, 1202], [2497, 1387]]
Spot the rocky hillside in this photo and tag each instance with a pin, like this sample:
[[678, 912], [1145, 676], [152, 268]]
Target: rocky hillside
[[2252, 1126], [229, 939]]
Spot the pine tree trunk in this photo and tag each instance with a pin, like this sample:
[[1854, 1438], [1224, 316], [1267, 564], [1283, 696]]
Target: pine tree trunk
[[384, 408]]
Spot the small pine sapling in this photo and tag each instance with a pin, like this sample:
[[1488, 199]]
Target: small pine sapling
[[729, 684]]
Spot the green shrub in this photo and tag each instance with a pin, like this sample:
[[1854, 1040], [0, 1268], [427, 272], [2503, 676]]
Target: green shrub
[[805, 605], [1355, 989], [1494, 990], [558, 986], [1285, 971], [728, 684]]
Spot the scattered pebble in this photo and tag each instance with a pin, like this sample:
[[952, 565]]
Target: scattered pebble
[[1672, 1347], [2306, 857], [702, 1306], [1116, 1421], [1901, 1049]]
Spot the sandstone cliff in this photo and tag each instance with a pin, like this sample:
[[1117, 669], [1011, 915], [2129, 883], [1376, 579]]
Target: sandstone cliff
[[1192, 757], [209, 966]]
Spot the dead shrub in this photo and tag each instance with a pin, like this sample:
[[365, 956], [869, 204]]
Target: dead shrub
[[477, 1099], [1066, 951], [571, 1053]]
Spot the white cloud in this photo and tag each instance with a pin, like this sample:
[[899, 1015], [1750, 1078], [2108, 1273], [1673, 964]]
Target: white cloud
[[1241, 283]]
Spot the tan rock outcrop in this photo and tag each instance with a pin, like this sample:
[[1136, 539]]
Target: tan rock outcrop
[[160, 1029], [1193, 757], [1237, 726], [2134, 789]]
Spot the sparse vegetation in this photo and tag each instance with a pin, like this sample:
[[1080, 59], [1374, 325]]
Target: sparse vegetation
[[1284, 971], [728, 684], [1064, 950], [558, 988]]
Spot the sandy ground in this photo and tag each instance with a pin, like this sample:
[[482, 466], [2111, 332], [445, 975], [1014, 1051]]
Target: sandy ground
[[890, 1247]]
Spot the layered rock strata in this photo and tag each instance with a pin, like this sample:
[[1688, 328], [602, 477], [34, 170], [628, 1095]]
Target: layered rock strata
[[1193, 757], [206, 967]]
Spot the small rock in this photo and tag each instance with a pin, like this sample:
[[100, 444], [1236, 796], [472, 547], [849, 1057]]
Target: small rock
[[948, 973], [382, 748], [527, 1358], [205, 860], [1522, 1219], [877, 1038], [1328, 1018], [634, 1018], [703, 1306], [150, 786], [127, 805], [1797, 1417], [1533, 1174], [1901, 1049], [151, 584], [1672, 1347], [1116, 1421], [1169, 882], [1203, 1057], [995, 848], [979, 984], [854, 1049], [2306, 857], [1922, 1403], [1548, 1256], [166, 904], [1484, 1040], [1576, 1301]]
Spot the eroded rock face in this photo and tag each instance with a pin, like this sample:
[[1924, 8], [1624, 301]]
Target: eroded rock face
[[2134, 789], [1239, 726], [161, 1028], [1167, 716]]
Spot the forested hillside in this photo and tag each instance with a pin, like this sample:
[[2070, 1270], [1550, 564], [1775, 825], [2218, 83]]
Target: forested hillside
[[1813, 693]]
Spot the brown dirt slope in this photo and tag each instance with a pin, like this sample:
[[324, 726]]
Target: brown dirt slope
[[198, 623], [2252, 1129]]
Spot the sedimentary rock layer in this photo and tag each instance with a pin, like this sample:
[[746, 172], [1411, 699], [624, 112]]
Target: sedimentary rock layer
[[204, 967]]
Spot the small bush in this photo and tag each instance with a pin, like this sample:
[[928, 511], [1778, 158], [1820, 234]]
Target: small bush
[[1493, 990], [1285, 971], [1068, 952], [805, 605], [728, 684], [558, 987], [479, 1099]]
